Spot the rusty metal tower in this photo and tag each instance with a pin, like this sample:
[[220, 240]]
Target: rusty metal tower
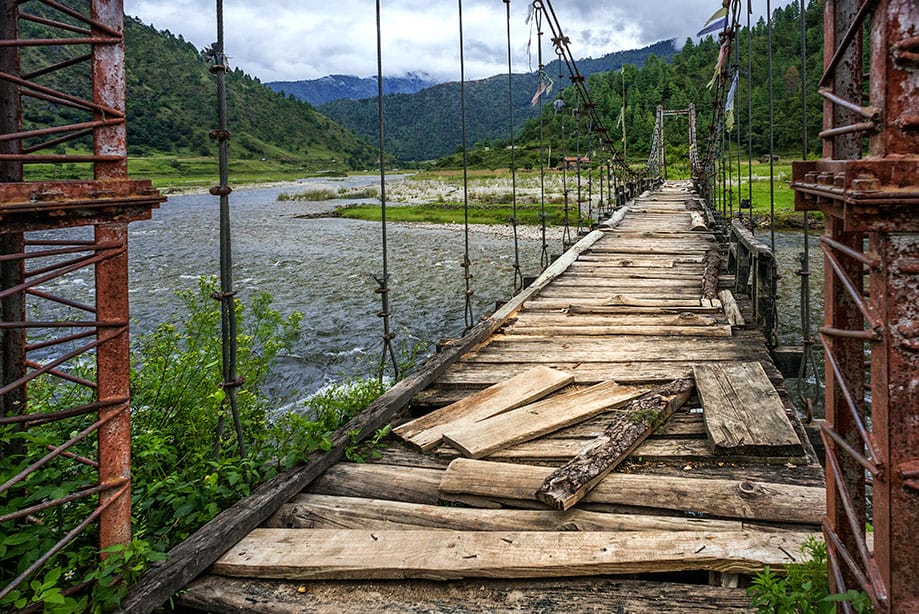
[[67, 113], [870, 201]]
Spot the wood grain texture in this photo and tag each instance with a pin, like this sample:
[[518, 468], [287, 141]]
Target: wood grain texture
[[308, 554], [626, 430], [531, 421], [743, 412], [225, 595], [308, 511], [425, 432], [738, 498]]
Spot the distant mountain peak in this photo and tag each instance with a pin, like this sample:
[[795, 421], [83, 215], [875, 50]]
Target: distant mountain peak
[[336, 87]]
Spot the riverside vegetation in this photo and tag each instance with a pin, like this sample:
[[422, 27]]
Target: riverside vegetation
[[435, 196], [178, 483]]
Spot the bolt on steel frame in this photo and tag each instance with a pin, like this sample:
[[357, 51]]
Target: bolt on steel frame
[[870, 201], [76, 340]]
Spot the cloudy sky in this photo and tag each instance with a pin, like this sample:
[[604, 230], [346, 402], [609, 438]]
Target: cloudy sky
[[305, 39]]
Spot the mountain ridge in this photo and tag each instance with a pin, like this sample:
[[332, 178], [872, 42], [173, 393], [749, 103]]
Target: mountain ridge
[[335, 87], [423, 126]]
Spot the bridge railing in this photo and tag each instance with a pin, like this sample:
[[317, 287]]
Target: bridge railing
[[755, 275]]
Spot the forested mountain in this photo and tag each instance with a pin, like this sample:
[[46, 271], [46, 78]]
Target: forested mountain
[[427, 125], [335, 87], [684, 80], [171, 104]]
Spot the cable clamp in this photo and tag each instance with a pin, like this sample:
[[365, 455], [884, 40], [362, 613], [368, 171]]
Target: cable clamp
[[219, 296], [220, 190], [219, 135], [239, 381]]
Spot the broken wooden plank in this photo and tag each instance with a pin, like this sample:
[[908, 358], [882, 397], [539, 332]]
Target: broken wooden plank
[[710, 275], [425, 432], [738, 498], [308, 511], [627, 429], [697, 222], [743, 412], [731, 310], [530, 421], [311, 554]]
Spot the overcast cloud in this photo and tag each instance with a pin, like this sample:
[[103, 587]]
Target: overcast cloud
[[290, 40]]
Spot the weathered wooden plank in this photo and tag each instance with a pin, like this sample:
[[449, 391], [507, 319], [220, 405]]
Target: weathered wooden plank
[[374, 481], [731, 310], [584, 349], [536, 318], [597, 307], [309, 511], [660, 331], [531, 421], [425, 432], [483, 374], [642, 297], [649, 260], [619, 300], [554, 451], [724, 498], [710, 276], [743, 412], [592, 595], [661, 284], [308, 554], [627, 429]]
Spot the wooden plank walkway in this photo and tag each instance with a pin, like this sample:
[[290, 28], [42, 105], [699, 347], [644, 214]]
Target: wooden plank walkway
[[706, 492]]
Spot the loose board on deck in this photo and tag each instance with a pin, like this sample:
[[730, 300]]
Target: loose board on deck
[[426, 432], [743, 412], [531, 421]]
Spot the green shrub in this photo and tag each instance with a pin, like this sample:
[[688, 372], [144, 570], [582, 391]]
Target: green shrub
[[803, 589], [178, 481]]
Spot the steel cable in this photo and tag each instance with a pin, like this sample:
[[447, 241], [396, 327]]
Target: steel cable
[[383, 280], [518, 274], [226, 295], [468, 317]]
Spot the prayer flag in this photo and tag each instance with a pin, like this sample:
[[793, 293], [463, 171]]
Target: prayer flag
[[722, 12], [718, 24]]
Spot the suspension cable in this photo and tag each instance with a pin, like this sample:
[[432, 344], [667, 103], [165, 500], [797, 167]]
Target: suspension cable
[[577, 140], [518, 275], [468, 317], [383, 280], [559, 105], [750, 106], [540, 91], [226, 295], [771, 128], [808, 362]]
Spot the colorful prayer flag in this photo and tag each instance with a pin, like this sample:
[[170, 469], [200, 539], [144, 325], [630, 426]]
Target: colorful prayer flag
[[718, 24]]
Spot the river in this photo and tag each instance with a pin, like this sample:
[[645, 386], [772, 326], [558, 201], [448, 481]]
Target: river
[[323, 268]]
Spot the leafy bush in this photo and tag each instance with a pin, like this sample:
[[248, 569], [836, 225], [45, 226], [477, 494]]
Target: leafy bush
[[803, 589], [181, 476]]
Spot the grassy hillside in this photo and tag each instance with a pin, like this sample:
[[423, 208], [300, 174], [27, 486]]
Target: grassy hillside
[[171, 106], [427, 125]]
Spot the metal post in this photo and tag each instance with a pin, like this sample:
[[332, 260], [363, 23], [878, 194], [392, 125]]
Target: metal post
[[876, 197], [113, 379]]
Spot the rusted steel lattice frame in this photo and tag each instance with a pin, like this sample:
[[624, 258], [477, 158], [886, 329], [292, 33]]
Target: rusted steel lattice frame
[[875, 199], [108, 203]]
